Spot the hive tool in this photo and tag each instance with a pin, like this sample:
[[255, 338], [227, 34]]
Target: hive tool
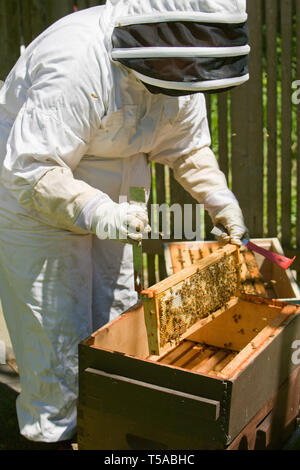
[[276, 258]]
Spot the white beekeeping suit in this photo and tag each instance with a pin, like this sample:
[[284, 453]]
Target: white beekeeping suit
[[91, 102]]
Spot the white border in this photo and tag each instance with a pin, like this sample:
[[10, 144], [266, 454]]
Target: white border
[[193, 86], [181, 16], [151, 52]]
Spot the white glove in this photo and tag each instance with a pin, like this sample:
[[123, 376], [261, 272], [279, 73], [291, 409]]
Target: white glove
[[224, 209], [121, 222], [200, 175], [231, 218]]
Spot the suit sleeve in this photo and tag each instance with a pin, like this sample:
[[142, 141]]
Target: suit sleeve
[[52, 132]]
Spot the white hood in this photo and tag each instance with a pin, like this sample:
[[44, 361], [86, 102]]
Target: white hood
[[206, 57], [225, 8]]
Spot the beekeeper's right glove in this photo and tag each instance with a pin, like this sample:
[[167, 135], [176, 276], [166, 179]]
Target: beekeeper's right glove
[[123, 221]]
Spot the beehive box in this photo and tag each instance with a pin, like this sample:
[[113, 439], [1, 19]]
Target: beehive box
[[259, 276], [224, 373]]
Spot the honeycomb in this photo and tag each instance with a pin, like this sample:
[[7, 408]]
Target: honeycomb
[[196, 297]]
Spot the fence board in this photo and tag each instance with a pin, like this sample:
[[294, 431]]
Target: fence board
[[182, 197], [151, 271], [286, 127], [56, 9], [247, 131], [223, 133], [298, 122], [34, 19], [9, 36], [88, 3], [160, 198], [271, 50], [255, 136]]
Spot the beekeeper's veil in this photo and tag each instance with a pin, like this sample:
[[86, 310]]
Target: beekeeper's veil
[[182, 46]]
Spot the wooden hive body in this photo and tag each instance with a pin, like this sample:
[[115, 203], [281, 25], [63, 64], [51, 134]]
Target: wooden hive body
[[225, 374]]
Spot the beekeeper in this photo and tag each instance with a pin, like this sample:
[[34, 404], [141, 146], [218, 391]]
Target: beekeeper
[[90, 104]]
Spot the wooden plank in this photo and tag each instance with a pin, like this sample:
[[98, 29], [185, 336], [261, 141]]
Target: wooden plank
[[185, 257], [236, 327], [184, 254], [286, 131], [208, 225], [201, 357], [93, 3], [177, 353], [152, 325], [247, 135], [177, 261], [160, 199], [211, 362], [204, 321], [261, 382], [265, 336], [255, 136], [282, 408], [137, 369], [271, 16], [213, 246], [127, 334], [98, 430], [135, 394], [56, 9], [188, 357], [34, 19], [138, 195], [204, 250], [82, 4], [222, 364], [223, 133], [9, 36], [151, 276], [290, 253], [208, 108], [180, 196], [151, 270], [298, 126]]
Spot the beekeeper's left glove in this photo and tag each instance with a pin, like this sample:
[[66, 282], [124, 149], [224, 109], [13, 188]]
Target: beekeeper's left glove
[[230, 217], [200, 175]]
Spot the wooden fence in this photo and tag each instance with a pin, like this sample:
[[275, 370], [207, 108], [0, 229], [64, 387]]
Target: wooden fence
[[255, 128]]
